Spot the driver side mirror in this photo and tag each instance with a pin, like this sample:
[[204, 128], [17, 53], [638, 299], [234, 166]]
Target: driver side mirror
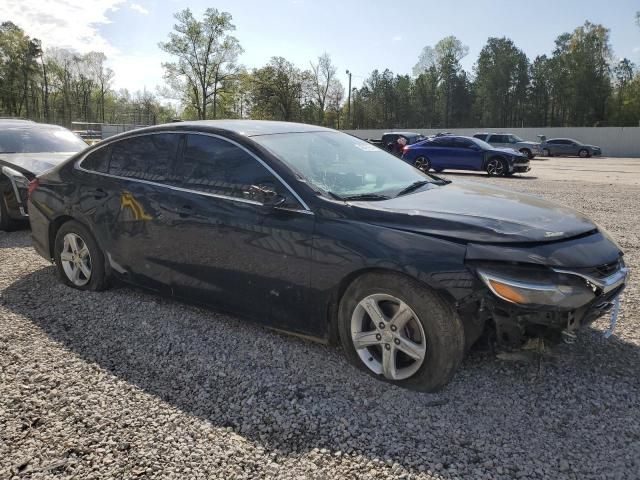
[[266, 195]]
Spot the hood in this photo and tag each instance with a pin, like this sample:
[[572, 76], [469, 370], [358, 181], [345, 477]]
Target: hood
[[33, 163], [475, 212], [509, 150]]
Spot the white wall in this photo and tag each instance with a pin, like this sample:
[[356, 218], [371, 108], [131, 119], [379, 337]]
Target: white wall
[[614, 141]]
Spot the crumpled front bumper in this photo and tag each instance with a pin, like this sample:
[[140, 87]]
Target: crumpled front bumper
[[514, 323]]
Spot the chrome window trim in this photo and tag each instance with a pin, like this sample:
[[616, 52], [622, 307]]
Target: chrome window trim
[[305, 210]]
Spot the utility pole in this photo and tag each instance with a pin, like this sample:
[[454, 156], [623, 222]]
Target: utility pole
[[349, 101]]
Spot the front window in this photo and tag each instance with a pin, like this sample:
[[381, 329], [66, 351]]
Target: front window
[[40, 140], [341, 164], [481, 143], [516, 139]]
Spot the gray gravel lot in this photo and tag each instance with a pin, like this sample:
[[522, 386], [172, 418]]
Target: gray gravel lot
[[124, 384]]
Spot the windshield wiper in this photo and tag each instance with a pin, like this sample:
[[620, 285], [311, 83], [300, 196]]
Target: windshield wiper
[[440, 180], [412, 187], [366, 196]]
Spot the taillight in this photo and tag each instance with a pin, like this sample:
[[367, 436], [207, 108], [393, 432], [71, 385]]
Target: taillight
[[33, 184]]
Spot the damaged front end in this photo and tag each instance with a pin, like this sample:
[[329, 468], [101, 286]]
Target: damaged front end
[[542, 297]]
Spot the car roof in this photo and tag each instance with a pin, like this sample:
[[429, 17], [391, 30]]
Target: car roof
[[8, 122], [28, 125], [248, 128], [407, 134]]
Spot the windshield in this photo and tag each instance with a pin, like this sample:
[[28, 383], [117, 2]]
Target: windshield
[[481, 143], [341, 164], [515, 139], [39, 140]]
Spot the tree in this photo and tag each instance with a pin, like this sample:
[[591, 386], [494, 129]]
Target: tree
[[426, 60], [582, 80], [276, 90], [206, 58], [322, 74], [502, 78], [448, 53]]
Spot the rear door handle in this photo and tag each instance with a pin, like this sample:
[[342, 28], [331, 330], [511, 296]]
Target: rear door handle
[[99, 193], [185, 211]]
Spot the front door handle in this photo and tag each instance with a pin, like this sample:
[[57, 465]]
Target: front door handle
[[185, 211]]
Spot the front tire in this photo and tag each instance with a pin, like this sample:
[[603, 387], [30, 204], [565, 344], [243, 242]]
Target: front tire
[[584, 153], [497, 167], [79, 260], [401, 332], [422, 163]]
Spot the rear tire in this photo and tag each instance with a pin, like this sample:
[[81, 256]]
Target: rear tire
[[6, 223], [429, 329], [422, 163], [79, 260]]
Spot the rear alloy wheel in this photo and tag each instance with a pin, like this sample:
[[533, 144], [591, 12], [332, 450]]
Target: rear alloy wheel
[[399, 331], [497, 167], [584, 153], [422, 163], [79, 260]]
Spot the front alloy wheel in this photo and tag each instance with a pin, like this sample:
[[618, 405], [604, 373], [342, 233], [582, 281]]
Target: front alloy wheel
[[496, 167], [399, 330], [388, 337]]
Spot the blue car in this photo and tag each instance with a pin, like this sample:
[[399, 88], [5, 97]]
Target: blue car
[[453, 152]]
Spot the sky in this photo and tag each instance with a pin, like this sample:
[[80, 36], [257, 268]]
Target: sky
[[359, 35]]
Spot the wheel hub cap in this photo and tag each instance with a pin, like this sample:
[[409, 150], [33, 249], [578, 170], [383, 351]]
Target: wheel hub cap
[[76, 259], [388, 336]]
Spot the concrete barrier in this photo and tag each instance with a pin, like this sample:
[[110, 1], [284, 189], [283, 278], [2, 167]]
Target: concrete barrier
[[614, 141]]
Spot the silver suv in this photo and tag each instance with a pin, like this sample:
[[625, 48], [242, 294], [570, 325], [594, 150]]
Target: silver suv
[[508, 140]]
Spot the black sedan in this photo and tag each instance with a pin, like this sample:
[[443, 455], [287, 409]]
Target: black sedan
[[27, 149], [564, 147], [316, 232]]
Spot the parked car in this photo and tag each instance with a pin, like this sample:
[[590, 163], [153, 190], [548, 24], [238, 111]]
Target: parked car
[[316, 232], [389, 141], [26, 149], [508, 140], [454, 152], [567, 146]]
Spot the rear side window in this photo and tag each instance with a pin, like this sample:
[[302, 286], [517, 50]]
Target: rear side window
[[463, 143], [481, 136], [147, 157], [97, 161], [214, 165], [442, 142], [499, 139]]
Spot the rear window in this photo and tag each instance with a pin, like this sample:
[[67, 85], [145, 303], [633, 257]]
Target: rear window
[[146, 157], [39, 140]]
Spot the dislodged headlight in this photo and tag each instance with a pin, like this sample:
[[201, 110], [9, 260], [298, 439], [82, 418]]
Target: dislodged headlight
[[19, 180], [534, 288]]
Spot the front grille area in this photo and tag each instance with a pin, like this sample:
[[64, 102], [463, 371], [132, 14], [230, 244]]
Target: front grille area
[[601, 271]]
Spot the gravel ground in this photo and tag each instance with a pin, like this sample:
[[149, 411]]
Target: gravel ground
[[123, 384]]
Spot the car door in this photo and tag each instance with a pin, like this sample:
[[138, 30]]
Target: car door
[[438, 152], [564, 147], [241, 255], [468, 155], [125, 198]]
